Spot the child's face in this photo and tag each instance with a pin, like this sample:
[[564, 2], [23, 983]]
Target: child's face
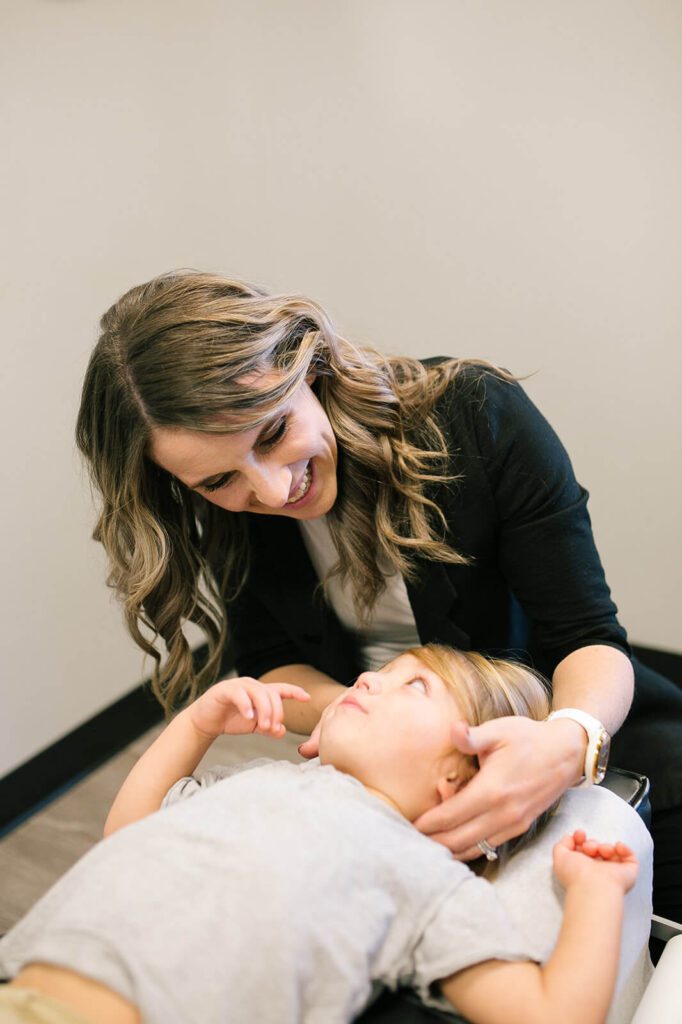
[[393, 732]]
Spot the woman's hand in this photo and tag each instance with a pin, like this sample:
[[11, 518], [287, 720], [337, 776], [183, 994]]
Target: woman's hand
[[524, 767], [311, 747], [579, 859], [243, 705]]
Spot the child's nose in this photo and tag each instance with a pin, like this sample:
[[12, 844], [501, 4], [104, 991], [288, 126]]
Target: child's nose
[[369, 681]]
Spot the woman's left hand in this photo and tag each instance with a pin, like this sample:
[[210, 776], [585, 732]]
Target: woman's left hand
[[524, 767]]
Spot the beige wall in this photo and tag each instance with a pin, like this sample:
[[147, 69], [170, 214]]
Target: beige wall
[[494, 178]]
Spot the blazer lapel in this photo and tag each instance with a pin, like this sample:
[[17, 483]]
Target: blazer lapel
[[433, 598], [285, 570], [287, 582]]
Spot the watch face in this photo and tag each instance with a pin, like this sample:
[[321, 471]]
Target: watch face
[[602, 758]]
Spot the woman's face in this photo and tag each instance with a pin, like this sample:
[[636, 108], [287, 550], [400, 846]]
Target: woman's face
[[285, 467]]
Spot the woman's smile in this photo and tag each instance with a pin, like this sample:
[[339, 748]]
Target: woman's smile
[[303, 489], [286, 466]]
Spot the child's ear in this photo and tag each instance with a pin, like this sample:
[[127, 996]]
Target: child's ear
[[449, 784]]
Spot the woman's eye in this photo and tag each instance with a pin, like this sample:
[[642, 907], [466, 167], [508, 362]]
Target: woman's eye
[[268, 442], [222, 481], [419, 683]]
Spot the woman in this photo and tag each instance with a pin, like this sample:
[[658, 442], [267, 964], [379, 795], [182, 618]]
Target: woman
[[244, 452]]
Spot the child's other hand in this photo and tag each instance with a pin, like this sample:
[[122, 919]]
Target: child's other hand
[[243, 705], [579, 859]]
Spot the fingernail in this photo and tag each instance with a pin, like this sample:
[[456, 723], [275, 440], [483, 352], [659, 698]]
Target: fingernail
[[249, 713]]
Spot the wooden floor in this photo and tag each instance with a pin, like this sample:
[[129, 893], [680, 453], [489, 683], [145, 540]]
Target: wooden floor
[[41, 849]]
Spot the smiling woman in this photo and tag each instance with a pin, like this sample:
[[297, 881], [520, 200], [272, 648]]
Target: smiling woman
[[199, 380], [287, 466], [316, 507]]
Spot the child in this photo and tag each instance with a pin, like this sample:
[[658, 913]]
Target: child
[[283, 892]]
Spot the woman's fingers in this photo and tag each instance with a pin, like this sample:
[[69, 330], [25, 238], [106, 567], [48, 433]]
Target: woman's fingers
[[310, 747], [463, 842], [523, 769], [465, 739], [473, 853], [479, 811], [472, 824]]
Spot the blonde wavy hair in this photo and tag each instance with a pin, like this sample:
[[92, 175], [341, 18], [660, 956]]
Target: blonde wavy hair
[[488, 688], [188, 349]]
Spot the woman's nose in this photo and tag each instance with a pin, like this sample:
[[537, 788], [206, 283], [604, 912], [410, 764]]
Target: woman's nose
[[271, 486]]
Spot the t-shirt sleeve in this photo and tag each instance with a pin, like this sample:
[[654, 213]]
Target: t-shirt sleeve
[[191, 784], [468, 925]]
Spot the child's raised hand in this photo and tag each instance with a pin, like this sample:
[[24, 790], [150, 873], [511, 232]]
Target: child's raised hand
[[578, 859], [243, 705]]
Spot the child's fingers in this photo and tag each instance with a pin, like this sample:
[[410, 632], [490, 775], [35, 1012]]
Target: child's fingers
[[617, 851], [261, 702], [624, 852], [277, 709], [242, 701], [271, 722], [290, 692]]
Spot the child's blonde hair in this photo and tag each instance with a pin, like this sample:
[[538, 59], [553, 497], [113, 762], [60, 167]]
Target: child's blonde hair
[[489, 688]]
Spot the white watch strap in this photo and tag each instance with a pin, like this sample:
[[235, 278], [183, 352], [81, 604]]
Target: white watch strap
[[589, 723], [594, 729]]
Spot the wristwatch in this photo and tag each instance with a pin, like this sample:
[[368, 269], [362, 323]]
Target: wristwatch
[[598, 744]]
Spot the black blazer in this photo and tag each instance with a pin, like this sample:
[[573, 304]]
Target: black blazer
[[535, 589]]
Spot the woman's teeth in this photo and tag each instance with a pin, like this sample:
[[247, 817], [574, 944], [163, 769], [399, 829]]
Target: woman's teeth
[[302, 488]]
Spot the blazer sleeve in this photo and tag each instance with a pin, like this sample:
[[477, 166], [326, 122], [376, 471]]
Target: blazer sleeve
[[546, 548], [257, 640]]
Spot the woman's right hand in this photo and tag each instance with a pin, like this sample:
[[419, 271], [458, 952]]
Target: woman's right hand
[[243, 705], [311, 747]]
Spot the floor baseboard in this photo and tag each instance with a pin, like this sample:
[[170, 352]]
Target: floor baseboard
[[47, 775]]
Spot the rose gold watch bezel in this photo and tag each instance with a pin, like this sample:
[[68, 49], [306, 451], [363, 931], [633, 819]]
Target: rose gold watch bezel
[[601, 758]]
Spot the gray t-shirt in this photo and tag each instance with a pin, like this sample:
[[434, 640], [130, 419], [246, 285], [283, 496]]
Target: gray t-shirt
[[278, 893]]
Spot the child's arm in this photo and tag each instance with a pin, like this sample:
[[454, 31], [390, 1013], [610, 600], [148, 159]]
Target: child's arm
[[576, 984], [232, 706]]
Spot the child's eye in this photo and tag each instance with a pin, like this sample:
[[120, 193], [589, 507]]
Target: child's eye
[[419, 683]]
